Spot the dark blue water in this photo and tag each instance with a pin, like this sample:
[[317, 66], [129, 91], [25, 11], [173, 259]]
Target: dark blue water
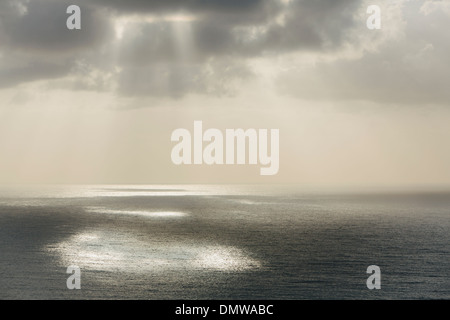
[[202, 242]]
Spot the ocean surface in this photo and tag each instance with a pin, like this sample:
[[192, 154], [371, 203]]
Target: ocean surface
[[222, 242]]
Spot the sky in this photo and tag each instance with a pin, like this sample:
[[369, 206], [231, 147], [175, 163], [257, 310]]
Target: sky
[[355, 107]]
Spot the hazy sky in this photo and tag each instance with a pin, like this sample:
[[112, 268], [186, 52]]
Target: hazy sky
[[354, 106]]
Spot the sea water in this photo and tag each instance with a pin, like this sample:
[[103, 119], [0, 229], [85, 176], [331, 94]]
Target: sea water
[[222, 242]]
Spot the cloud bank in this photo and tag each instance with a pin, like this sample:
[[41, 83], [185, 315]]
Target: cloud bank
[[169, 49]]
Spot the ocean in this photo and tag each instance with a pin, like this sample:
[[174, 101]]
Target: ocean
[[222, 242]]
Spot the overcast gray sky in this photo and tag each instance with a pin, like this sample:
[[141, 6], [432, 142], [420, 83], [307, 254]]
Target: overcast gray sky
[[354, 106]]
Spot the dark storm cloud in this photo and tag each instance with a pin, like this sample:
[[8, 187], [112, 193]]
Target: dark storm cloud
[[232, 37], [164, 6], [222, 31], [218, 34], [316, 24], [36, 44], [210, 53], [43, 27]]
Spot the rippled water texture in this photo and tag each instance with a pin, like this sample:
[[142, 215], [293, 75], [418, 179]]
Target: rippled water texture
[[210, 242]]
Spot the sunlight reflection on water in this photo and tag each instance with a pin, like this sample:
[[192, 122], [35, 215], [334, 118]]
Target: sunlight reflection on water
[[151, 214], [122, 252]]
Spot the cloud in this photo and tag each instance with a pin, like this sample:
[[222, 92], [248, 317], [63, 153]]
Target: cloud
[[155, 54], [29, 72], [157, 6], [411, 68], [270, 28], [174, 48], [172, 57], [36, 45], [40, 26], [215, 77]]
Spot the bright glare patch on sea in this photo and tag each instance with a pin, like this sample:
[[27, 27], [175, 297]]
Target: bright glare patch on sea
[[121, 252], [150, 214]]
